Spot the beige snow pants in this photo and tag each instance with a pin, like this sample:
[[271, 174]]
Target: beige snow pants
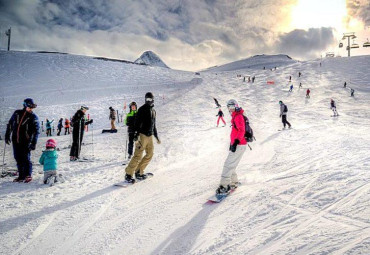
[[138, 162]]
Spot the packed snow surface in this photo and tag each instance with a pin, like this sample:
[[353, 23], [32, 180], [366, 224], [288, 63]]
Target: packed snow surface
[[304, 190]]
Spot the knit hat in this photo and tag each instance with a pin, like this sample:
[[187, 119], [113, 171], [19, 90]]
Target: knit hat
[[51, 143]]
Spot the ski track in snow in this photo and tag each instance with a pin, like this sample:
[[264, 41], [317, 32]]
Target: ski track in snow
[[305, 191]]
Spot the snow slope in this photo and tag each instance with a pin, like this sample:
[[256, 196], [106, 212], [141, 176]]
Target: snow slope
[[304, 191], [255, 62]]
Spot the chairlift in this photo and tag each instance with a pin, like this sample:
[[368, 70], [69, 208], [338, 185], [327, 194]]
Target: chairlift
[[355, 45], [366, 44], [340, 45]]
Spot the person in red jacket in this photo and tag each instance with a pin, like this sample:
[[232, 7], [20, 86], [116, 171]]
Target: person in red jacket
[[220, 115], [308, 93], [229, 178]]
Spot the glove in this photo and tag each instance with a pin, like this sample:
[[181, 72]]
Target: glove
[[7, 140], [136, 137], [32, 147], [90, 121], [158, 141], [280, 115], [233, 146]]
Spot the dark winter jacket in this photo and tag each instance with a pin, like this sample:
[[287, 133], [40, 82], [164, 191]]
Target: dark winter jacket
[[220, 114], [130, 121], [145, 121], [24, 128], [112, 114], [60, 124], [78, 121]]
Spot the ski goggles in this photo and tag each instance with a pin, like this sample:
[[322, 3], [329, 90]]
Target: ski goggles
[[32, 106], [149, 99]]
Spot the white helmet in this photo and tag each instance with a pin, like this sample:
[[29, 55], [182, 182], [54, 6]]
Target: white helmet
[[232, 103]]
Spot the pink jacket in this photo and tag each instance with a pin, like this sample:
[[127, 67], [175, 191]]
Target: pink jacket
[[238, 127]]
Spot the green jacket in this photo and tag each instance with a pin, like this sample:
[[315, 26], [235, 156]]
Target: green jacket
[[49, 159], [130, 120]]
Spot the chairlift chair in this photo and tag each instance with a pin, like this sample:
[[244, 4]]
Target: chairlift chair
[[366, 44]]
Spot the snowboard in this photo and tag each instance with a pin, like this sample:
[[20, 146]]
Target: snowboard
[[218, 198], [126, 184], [109, 131], [285, 129], [334, 115]]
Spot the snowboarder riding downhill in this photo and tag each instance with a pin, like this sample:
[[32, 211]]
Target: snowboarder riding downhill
[[229, 178]]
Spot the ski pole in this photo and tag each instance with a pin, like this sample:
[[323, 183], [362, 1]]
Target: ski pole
[[92, 140], [2, 171], [126, 146], [79, 140], [249, 147]]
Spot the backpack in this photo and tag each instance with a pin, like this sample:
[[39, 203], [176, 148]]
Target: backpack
[[248, 131], [285, 108]]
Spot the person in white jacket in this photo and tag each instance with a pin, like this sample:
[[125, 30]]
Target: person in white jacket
[[283, 114]]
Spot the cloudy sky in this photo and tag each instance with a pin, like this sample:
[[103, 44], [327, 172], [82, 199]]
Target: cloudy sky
[[186, 34]]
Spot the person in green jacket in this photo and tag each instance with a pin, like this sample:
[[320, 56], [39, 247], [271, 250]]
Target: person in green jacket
[[49, 159], [130, 122]]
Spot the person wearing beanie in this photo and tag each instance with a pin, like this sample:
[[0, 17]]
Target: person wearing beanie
[[130, 123], [23, 131], [78, 127], [145, 129], [112, 117], [49, 159]]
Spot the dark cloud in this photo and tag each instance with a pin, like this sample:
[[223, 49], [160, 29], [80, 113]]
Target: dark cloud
[[306, 44], [359, 9]]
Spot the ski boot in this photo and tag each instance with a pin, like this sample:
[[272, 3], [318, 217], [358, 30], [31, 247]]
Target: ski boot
[[28, 179]]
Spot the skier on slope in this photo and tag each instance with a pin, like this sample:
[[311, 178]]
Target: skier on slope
[[308, 93], [130, 122], [220, 115], [78, 124], [23, 127], [67, 125], [48, 127], [333, 107], [145, 128], [291, 88], [229, 178], [60, 126], [49, 159], [283, 114]]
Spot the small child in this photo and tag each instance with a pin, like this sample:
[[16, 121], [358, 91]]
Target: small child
[[49, 159]]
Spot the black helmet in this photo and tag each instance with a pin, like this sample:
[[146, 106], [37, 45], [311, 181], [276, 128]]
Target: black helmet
[[28, 102], [149, 98]]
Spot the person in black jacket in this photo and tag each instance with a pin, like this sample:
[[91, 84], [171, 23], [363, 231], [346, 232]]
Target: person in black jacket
[[23, 127], [78, 123], [145, 128]]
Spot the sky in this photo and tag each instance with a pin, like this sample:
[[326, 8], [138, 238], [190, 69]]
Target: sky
[[186, 34]]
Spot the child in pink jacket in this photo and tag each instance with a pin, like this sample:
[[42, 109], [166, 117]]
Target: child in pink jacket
[[229, 178]]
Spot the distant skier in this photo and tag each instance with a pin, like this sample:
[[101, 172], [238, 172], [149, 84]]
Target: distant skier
[[23, 127], [308, 93], [49, 159], [283, 114], [220, 115], [345, 84], [249, 79], [299, 74], [78, 123], [48, 127], [229, 178], [112, 117], [300, 85], [244, 79], [130, 122], [333, 106], [145, 129], [253, 78], [290, 78], [352, 92], [60, 126], [67, 124], [291, 88]]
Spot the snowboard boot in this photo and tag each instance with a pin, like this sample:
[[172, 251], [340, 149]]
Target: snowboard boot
[[221, 190], [140, 176], [18, 179], [129, 179], [234, 185], [72, 158]]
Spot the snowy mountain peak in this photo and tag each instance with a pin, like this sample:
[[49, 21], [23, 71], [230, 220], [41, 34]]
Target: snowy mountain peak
[[151, 59]]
